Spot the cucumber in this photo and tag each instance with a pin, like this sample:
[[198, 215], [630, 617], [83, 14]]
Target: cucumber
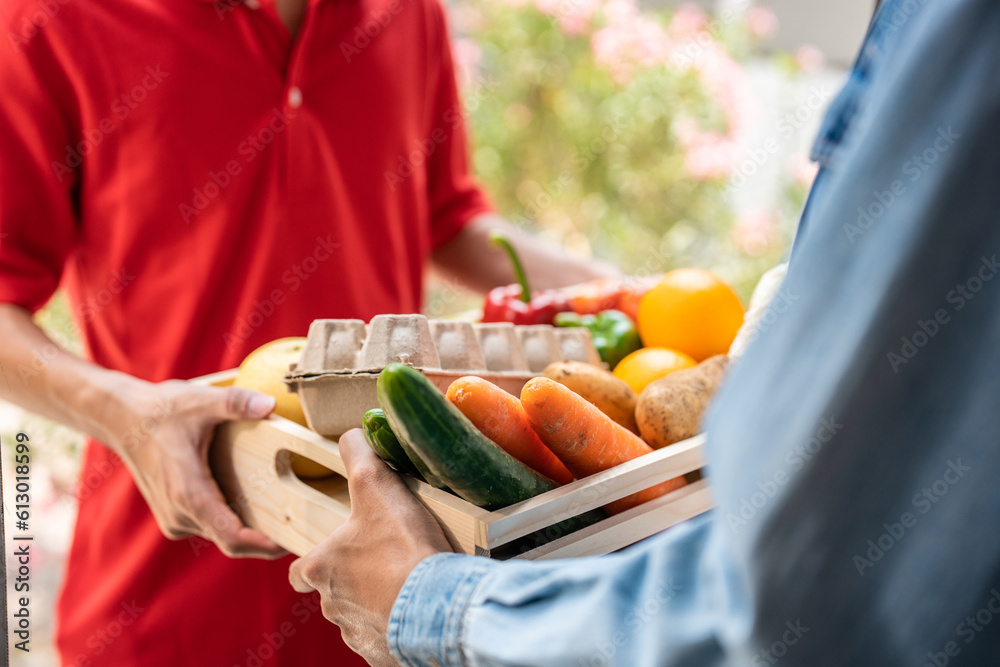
[[384, 443], [471, 464]]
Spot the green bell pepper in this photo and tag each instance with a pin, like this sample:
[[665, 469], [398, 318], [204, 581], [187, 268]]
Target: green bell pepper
[[613, 332]]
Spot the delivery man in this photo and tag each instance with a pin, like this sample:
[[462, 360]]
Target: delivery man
[[853, 450], [201, 178]]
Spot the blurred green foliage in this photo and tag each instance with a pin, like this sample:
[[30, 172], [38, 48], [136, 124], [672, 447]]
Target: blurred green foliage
[[578, 114]]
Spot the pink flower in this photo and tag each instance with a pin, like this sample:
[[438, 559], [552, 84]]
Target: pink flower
[[726, 81], [575, 16], [620, 11], [709, 158], [809, 58], [755, 232], [466, 18], [707, 155], [608, 46], [467, 56], [687, 22], [574, 24], [630, 40], [762, 21]]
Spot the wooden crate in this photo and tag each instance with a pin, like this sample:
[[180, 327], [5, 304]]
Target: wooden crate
[[250, 462]]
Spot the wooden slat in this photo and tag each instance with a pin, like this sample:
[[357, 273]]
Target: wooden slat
[[630, 526], [586, 494]]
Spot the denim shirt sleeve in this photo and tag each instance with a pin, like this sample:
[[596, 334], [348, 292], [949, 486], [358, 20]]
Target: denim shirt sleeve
[[459, 610], [853, 448]]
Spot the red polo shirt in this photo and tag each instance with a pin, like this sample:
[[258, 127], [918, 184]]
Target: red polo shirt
[[200, 184]]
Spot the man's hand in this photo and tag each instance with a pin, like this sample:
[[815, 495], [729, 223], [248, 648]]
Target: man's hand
[[161, 431], [362, 565], [165, 446]]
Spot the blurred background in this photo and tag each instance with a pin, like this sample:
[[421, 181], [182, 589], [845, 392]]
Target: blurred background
[[655, 134]]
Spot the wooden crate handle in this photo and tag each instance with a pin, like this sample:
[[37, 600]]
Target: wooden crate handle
[[247, 463], [257, 479]]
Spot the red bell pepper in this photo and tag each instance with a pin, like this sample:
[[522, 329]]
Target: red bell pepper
[[516, 303], [596, 296]]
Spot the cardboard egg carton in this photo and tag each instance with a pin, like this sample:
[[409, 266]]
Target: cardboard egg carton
[[337, 374]]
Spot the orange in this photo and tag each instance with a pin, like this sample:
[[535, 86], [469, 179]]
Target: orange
[[650, 363], [693, 311]]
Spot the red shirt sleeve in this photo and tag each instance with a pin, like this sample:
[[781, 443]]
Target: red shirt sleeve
[[455, 197], [37, 215]]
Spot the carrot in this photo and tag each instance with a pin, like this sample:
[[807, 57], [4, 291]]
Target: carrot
[[584, 438], [501, 418]]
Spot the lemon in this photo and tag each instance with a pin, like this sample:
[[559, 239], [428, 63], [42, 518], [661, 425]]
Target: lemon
[[264, 370]]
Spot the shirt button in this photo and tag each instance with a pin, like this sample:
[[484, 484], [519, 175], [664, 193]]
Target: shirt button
[[294, 97], [252, 4]]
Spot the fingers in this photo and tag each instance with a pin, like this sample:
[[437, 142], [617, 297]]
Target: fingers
[[297, 577], [378, 494], [217, 522], [360, 461], [239, 403]]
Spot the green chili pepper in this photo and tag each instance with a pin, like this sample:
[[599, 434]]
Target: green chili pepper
[[613, 332]]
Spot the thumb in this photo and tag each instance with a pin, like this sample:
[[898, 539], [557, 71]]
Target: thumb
[[239, 403], [366, 472]]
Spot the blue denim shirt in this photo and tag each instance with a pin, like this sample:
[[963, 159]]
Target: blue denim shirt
[[855, 448]]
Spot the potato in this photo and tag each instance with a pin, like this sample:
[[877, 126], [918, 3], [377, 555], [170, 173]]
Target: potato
[[611, 396], [670, 409]]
